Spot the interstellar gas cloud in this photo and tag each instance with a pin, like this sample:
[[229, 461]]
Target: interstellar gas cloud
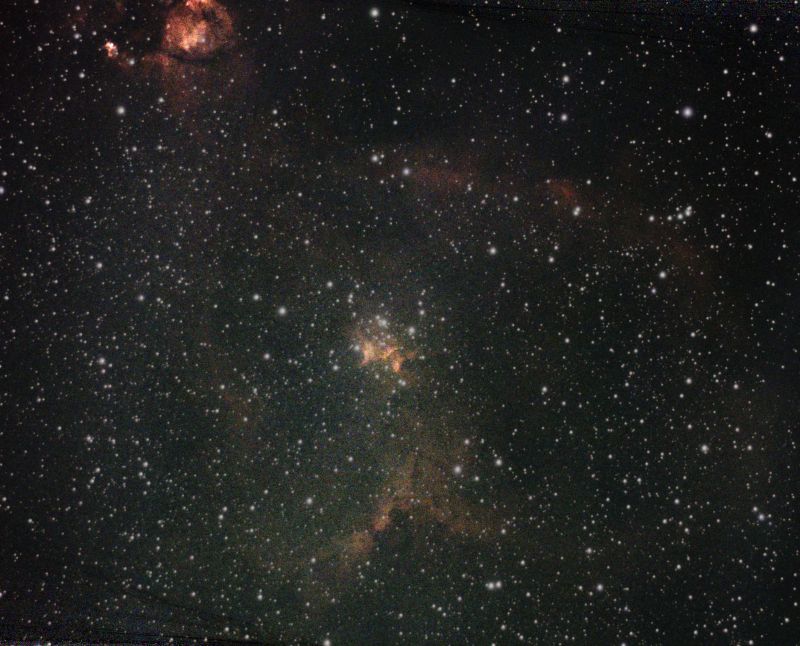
[[399, 322]]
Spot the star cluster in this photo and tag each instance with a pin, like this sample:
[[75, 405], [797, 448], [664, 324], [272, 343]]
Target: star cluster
[[401, 322]]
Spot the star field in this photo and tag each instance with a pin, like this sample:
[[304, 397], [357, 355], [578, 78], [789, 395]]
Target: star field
[[399, 322]]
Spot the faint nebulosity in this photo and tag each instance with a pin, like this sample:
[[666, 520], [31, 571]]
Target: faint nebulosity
[[399, 322]]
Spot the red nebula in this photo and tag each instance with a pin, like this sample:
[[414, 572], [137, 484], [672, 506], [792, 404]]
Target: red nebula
[[111, 49], [197, 30]]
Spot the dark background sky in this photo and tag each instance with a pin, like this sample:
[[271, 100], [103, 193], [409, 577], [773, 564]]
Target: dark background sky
[[399, 322]]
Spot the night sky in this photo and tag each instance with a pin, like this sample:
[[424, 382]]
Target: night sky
[[399, 322]]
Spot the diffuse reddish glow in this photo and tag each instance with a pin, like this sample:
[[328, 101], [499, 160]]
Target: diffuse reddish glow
[[563, 190], [419, 487], [190, 63], [384, 352], [111, 49], [197, 30], [378, 346]]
